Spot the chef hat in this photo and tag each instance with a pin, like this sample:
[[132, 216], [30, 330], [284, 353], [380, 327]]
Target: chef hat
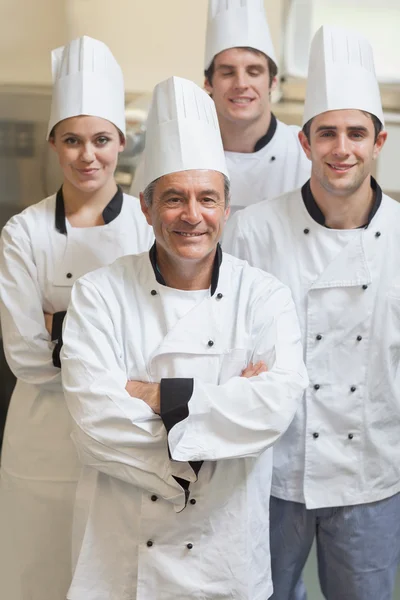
[[87, 80], [234, 24], [341, 74], [182, 131]]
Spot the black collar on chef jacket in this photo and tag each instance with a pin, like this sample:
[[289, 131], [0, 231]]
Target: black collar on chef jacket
[[110, 212], [214, 276], [315, 212], [262, 142]]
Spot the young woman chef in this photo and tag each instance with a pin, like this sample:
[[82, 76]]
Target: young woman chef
[[87, 224]]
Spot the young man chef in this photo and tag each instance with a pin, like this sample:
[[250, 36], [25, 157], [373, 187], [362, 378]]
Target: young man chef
[[263, 155], [174, 442], [336, 243]]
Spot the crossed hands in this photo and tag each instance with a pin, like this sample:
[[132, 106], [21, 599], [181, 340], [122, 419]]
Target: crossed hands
[[150, 392]]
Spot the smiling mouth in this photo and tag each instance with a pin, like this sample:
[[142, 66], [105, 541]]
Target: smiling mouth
[[241, 101], [340, 168], [189, 235]]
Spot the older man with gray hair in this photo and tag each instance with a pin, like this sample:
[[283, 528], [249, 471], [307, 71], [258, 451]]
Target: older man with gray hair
[[164, 371]]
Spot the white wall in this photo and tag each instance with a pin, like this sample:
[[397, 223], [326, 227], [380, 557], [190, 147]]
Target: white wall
[[29, 29], [151, 39]]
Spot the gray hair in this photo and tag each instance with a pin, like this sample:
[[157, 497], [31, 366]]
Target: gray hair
[[149, 191]]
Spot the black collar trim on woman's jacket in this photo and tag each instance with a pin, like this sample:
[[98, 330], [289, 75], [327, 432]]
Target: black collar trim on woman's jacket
[[111, 211]]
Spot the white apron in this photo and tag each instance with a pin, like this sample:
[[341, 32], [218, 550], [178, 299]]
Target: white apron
[[39, 467]]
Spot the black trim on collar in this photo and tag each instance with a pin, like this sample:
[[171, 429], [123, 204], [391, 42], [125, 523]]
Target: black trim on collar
[[315, 212], [215, 273], [111, 211], [265, 139]]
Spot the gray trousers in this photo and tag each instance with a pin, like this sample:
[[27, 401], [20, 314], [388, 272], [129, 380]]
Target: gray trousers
[[358, 549]]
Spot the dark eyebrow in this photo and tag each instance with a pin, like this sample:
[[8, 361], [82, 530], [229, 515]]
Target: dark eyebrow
[[253, 66], [334, 128], [325, 128], [210, 192], [357, 128], [172, 191], [180, 193], [224, 67], [94, 135]]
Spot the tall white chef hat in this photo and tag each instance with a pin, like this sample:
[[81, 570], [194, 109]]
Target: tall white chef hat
[[341, 74], [87, 80], [234, 24], [182, 131]]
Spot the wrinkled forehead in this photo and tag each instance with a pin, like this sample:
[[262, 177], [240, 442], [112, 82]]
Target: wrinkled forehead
[[192, 180]]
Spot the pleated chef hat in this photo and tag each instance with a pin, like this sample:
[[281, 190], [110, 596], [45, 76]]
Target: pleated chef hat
[[87, 80], [182, 131], [341, 74], [234, 24]]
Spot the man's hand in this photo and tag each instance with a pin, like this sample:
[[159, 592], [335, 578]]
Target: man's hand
[[148, 392], [48, 321], [254, 370]]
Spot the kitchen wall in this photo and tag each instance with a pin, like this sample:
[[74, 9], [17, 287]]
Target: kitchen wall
[[151, 39], [28, 30]]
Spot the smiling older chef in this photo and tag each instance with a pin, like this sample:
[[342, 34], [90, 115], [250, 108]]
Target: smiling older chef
[[336, 243], [263, 155], [154, 347], [87, 224]]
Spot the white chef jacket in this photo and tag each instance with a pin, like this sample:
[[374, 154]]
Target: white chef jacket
[[136, 536], [40, 468], [279, 167], [343, 446]]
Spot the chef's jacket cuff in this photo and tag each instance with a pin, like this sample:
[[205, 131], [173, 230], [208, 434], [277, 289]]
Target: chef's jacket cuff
[[56, 330], [174, 398], [56, 334]]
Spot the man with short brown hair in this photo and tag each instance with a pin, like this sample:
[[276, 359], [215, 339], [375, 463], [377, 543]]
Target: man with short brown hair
[[336, 243], [263, 155]]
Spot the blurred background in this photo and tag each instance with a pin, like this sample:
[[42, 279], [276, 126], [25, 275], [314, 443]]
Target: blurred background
[[152, 40]]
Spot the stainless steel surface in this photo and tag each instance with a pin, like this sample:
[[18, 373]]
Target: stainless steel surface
[[23, 112]]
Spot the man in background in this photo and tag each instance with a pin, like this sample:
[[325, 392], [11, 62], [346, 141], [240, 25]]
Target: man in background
[[263, 155]]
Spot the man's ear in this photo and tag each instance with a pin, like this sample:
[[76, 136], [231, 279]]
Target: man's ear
[[145, 209], [227, 213], [207, 86], [380, 142], [274, 83], [305, 144]]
